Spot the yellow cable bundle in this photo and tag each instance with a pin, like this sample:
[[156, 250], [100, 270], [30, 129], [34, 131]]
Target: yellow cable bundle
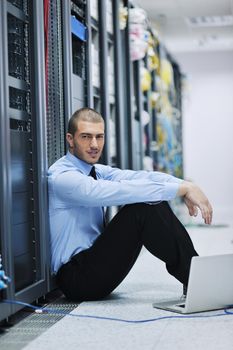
[[154, 97], [123, 15], [153, 59], [166, 73], [145, 79]]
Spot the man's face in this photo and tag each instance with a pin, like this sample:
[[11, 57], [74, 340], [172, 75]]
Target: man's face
[[88, 141]]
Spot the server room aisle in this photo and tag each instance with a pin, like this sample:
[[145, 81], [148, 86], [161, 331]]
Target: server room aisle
[[133, 301]]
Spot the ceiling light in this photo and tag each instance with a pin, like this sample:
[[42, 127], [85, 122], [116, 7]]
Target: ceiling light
[[209, 21]]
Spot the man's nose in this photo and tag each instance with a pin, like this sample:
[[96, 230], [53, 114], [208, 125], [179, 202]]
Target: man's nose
[[94, 142]]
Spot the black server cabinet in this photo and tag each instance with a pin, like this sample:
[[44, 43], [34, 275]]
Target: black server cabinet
[[92, 68], [5, 309], [23, 172], [79, 49], [133, 101], [104, 74], [75, 56], [66, 68]]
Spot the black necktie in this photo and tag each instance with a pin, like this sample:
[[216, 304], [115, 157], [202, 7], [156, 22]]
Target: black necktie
[[93, 174]]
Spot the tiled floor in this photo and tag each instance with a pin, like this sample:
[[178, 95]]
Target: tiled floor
[[133, 300]]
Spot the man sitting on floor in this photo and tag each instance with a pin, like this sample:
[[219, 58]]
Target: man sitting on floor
[[89, 258]]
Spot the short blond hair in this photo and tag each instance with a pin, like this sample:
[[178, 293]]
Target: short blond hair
[[86, 114]]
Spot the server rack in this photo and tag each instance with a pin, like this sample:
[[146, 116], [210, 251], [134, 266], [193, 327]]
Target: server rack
[[104, 90], [170, 158], [67, 59], [104, 73], [55, 94], [94, 88], [5, 241], [119, 85], [138, 102], [129, 96], [149, 106], [111, 77], [23, 181], [79, 55], [179, 168], [154, 142], [93, 76]]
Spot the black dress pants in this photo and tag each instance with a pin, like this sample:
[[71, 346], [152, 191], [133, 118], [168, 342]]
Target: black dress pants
[[95, 272]]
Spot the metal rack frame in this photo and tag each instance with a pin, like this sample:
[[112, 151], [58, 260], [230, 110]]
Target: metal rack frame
[[5, 220]]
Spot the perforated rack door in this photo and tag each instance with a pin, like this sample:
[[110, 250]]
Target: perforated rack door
[[21, 139], [55, 93], [22, 179]]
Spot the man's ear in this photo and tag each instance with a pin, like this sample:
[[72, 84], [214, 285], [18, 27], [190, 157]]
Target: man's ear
[[70, 140]]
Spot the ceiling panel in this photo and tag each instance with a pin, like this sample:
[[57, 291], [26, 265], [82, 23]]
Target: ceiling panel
[[169, 18]]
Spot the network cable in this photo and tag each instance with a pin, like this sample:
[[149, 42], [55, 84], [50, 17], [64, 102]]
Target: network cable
[[46, 310]]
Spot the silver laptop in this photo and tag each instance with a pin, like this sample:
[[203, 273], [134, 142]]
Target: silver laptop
[[210, 286]]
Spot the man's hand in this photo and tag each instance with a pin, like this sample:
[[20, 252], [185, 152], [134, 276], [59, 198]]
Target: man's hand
[[194, 198]]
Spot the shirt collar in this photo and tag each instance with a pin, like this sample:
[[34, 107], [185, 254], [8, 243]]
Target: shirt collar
[[78, 163]]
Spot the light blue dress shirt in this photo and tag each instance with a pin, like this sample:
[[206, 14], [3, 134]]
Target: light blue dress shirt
[[76, 201]]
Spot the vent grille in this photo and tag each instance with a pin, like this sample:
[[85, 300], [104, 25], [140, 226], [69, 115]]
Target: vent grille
[[33, 326]]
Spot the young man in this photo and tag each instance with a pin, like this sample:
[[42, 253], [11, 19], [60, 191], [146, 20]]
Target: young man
[[91, 259]]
